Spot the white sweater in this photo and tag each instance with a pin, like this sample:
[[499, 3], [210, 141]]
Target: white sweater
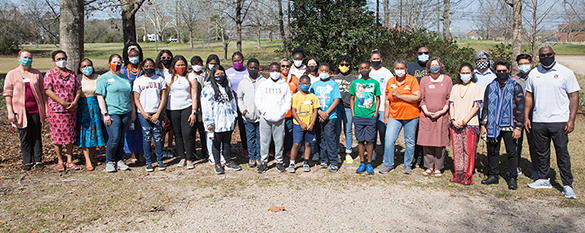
[[273, 99]]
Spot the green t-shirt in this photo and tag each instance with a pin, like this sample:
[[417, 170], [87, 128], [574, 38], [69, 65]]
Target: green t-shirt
[[116, 91], [365, 92]]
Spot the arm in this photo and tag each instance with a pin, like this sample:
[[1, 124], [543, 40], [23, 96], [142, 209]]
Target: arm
[[412, 98], [56, 98], [161, 106], [333, 107], [9, 109], [7, 92], [352, 101], [240, 93], [139, 106], [194, 97], [527, 109], [296, 117], [258, 101], [483, 120], [104, 110], [133, 116], [77, 96], [207, 110], [518, 111], [574, 105], [386, 108], [314, 119]]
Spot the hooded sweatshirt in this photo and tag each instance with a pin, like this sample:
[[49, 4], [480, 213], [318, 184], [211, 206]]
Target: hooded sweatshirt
[[246, 93], [273, 99], [219, 114]]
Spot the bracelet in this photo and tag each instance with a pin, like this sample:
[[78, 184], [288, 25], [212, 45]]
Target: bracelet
[[463, 122]]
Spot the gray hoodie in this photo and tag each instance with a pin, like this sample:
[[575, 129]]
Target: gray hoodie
[[246, 94]]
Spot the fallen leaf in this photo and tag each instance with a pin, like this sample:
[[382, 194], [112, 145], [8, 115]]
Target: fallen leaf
[[275, 209]]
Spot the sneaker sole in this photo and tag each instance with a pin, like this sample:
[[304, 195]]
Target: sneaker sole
[[541, 187], [261, 172], [161, 169], [233, 169], [149, 170], [306, 170], [371, 173], [219, 173]]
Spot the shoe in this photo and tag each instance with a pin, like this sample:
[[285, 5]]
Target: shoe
[[258, 162], [519, 171], [407, 170], [219, 169], [323, 165], [210, 159], [122, 166], [252, 163], [149, 167], [512, 184], [386, 169], [339, 159], [72, 166], [438, 173], [27, 167], [348, 158], [222, 160], [361, 169], [181, 163], [370, 169], [161, 166], [245, 153], [569, 193], [271, 154], [291, 168], [333, 169], [190, 165], [262, 168], [39, 166], [540, 184], [110, 167], [306, 167], [491, 180], [427, 172], [233, 166], [280, 167]]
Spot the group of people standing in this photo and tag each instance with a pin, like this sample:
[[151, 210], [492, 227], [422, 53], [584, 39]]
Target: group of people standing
[[299, 108]]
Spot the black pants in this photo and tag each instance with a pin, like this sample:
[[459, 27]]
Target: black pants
[[543, 133], [533, 157], [184, 132], [242, 129], [222, 139], [30, 139], [493, 148], [202, 138]]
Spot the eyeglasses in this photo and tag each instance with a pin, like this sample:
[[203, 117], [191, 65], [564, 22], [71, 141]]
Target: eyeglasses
[[285, 66], [421, 53], [546, 55], [501, 71], [165, 58], [344, 65]]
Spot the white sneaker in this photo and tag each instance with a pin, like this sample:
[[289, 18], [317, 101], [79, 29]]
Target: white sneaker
[[122, 166], [348, 158], [569, 193], [540, 184]]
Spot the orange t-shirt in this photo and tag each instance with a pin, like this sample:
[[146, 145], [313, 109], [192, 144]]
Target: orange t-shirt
[[292, 84], [400, 109]]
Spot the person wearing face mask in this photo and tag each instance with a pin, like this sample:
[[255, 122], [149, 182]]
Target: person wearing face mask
[[327, 91], [403, 95], [132, 68], [298, 69], [26, 105], [212, 61], [464, 102], [382, 75], [246, 94], [219, 116], [502, 119], [150, 96], [344, 79], [525, 65], [552, 98], [114, 95], [273, 101], [483, 74], [305, 106], [235, 75], [64, 90], [162, 63], [182, 108], [197, 74], [292, 81], [435, 90], [90, 127], [312, 69], [418, 69]]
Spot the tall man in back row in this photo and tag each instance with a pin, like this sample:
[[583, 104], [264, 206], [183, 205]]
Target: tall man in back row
[[418, 69], [552, 94]]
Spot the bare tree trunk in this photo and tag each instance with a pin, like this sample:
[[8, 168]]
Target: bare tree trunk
[[224, 45], [239, 4], [517, 31], [270, 36], [447, 20], [534, 28], [258, 31], [386, 13], [71, 25], [281, 23], [129, 9], [191, 38]]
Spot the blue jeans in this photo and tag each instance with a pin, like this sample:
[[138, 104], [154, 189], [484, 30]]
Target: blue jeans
[[288, 134], [394, 127], [116, 132], [329, 145], [253, 139], [151, 130], [344, 119]]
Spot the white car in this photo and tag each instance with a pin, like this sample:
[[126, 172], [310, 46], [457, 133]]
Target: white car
[[171, 39]]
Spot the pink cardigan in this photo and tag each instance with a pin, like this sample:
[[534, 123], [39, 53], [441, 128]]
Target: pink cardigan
[[15, 88]]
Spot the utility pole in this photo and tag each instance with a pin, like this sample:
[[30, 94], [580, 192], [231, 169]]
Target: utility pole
[[438, 16], [400, 13], [378, 12]]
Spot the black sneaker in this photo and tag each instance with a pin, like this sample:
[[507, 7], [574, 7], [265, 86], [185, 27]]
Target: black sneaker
[[280, 167], [27, 167], [262, 168], [39, 166], [512, 184], [333, 169], [161, 166], [218, 169], [149, 167], [233, 166]]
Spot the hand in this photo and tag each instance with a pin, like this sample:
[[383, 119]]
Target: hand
[[457, 124], [192, 119], [210, 128], [516, 134], [244, 112], [396, 94], [376, 115], [108, 120], [11, 117], [153, 118], [385, 120], [482, 131], [71, 106], [65, 104], [132, 116], [321, 119], [323, 114], [146, 116], [569, 127], [303, 126], [310, 127], [527, 125]]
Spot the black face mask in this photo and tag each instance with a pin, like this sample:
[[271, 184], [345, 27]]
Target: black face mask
[[547, 62], [502, 76], [365, 74], [312, 68], [149, 71], [166, 63], [253, 73], [220, 79], [376, 64]]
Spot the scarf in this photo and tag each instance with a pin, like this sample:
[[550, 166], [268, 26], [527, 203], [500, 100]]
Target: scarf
[[500, 107]]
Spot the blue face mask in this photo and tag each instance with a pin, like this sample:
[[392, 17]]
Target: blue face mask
[[305, 88], [134, 60], [24, 61], [466, 78], [324, 76], [524, 68], [423, 57], [87, 70], [435, 69]]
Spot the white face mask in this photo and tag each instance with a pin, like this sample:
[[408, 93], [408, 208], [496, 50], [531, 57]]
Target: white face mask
[[210, 66], [400, 73], [298, 63], [61, 64], [323, 76], [274, 75], [465, 78], [197, 68]]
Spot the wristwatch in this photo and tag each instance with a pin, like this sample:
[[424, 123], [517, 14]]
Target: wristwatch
[[193, 113]]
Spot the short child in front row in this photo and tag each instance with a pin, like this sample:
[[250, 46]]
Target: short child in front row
[[304, 111]]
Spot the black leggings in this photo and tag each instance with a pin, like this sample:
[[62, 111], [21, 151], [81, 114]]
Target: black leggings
[[30, 139], [184, 133], [222, 139], [202, 138]]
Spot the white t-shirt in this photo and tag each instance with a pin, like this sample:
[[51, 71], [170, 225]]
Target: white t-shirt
[[179, 92], [381, 75], [149, 89], [551, 89]]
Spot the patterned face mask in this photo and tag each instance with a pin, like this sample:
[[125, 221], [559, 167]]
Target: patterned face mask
[[482, 65]]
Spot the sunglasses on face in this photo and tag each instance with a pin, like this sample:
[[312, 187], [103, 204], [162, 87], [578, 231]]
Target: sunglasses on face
[[421, 53], [501, 71], [285, 66], [344, 65], [165, 58], [546, 55]]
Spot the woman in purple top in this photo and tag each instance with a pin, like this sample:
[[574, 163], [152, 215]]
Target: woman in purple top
[[236, 74]]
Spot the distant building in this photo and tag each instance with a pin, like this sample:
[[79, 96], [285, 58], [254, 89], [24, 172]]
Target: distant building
[[465, 34], [472, 35], [571, 32]]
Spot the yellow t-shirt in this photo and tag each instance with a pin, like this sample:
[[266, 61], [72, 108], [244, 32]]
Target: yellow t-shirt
[[305, 106]]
